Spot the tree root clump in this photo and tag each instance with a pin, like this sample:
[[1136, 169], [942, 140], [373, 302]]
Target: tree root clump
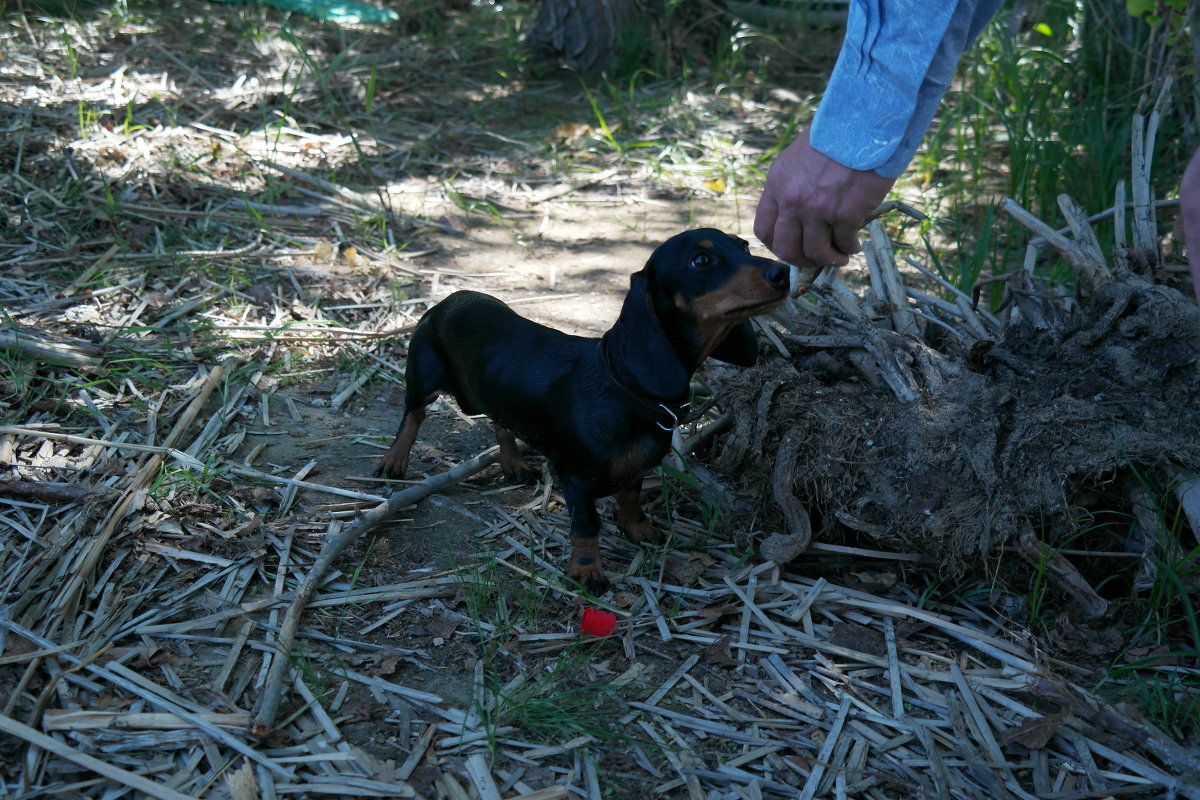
[[1073, 403]]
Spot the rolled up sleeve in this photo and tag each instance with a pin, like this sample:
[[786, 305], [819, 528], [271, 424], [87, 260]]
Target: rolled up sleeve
[[896, 62]]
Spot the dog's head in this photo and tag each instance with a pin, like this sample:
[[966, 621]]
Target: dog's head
[[704, 286]]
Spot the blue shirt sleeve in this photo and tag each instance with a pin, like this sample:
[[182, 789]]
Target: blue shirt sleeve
[[896, 62]]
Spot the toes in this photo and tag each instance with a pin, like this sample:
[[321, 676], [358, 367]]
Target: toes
[[388, 469], [590, 576], [641, 532], [519, 473]]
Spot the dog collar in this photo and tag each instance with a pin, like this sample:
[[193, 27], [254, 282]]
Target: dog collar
[[661, 414]]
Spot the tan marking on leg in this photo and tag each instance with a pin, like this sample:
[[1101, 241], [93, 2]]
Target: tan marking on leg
[[585, 565], [512, 462], [395, 461], [630, 519]]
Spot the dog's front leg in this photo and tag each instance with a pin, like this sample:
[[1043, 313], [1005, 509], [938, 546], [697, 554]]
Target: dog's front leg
[[584, 565]]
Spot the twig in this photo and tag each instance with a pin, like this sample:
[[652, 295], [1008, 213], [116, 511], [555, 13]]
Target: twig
[[1079, 258], [178, 455], [52, 745], [881, 260], [273, 690], [39, 346], [1039, 554], [49, 492], [1088, 707]]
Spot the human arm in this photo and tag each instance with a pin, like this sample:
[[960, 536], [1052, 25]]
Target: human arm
[[896, 63], [812, 206], [1189, 207]]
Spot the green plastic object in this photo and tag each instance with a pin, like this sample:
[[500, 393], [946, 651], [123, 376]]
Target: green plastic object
[[345, 12]]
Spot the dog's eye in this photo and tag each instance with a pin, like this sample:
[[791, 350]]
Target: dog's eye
[[701, 261], [745, 247]]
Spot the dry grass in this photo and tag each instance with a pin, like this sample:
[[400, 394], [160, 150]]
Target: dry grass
[[217, 231]]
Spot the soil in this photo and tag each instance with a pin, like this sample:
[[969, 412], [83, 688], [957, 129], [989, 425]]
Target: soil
[[1047, 427], [1051, 428]]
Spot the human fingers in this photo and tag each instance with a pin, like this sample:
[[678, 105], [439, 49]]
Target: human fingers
[[787, 242], [818, 245], [845, 239], [764, 219]]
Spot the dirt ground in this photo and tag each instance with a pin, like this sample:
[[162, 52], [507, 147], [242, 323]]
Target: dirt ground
[[183, 199]]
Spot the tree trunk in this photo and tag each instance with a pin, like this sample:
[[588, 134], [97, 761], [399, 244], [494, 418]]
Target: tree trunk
[[581, 34]]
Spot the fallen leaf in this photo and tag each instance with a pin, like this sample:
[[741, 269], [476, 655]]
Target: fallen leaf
[[714, 613], [1035, 733], [877, 581], [261, 294], [624, 599], [687, 569], [18, 645], [442, 625], [358, 711], [719, 653], [1151, 656], [857, 637]]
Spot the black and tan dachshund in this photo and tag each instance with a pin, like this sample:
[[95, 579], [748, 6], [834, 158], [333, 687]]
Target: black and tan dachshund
[[601, 410]]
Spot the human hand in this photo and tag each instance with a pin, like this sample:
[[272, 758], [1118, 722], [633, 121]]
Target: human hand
[[1189, 207], [812, 207]]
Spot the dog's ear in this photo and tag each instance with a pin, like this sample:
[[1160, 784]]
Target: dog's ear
[[639, 347], [739, 347]]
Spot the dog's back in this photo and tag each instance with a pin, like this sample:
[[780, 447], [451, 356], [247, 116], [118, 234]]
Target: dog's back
[[496, 362]]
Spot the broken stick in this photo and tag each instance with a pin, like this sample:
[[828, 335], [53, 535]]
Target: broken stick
[[273, 690]]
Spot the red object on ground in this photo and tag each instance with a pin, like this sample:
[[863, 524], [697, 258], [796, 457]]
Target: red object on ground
[[597, 622]]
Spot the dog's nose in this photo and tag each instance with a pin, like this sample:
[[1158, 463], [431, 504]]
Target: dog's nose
[[777, 275]]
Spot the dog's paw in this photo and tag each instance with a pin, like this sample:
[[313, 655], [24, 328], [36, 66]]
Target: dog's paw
[[391, 468], [519, 472], [641, 532], [590, 576]]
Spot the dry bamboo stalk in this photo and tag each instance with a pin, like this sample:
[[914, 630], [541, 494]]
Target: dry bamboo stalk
[[1085, 239], [541, 580], [549, 793], [1116, 213], [1144, 239], [1079, 258], [180, 456], [897, 691], [983, 728], [417, 753], [281, 333], [341, 397], [361, 202], [1089, 707], [818, 768], [1121, 247], [983, 313], [558, 190], [51, 745], [39, 347], [747, 599], [221, 417], [273, 690], [893, 285], [481, 777], [91, 271], [1037, 553], [66, 601], [316, 487], [78, 720]]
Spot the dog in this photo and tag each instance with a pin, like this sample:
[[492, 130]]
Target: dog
[[600, 410]]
